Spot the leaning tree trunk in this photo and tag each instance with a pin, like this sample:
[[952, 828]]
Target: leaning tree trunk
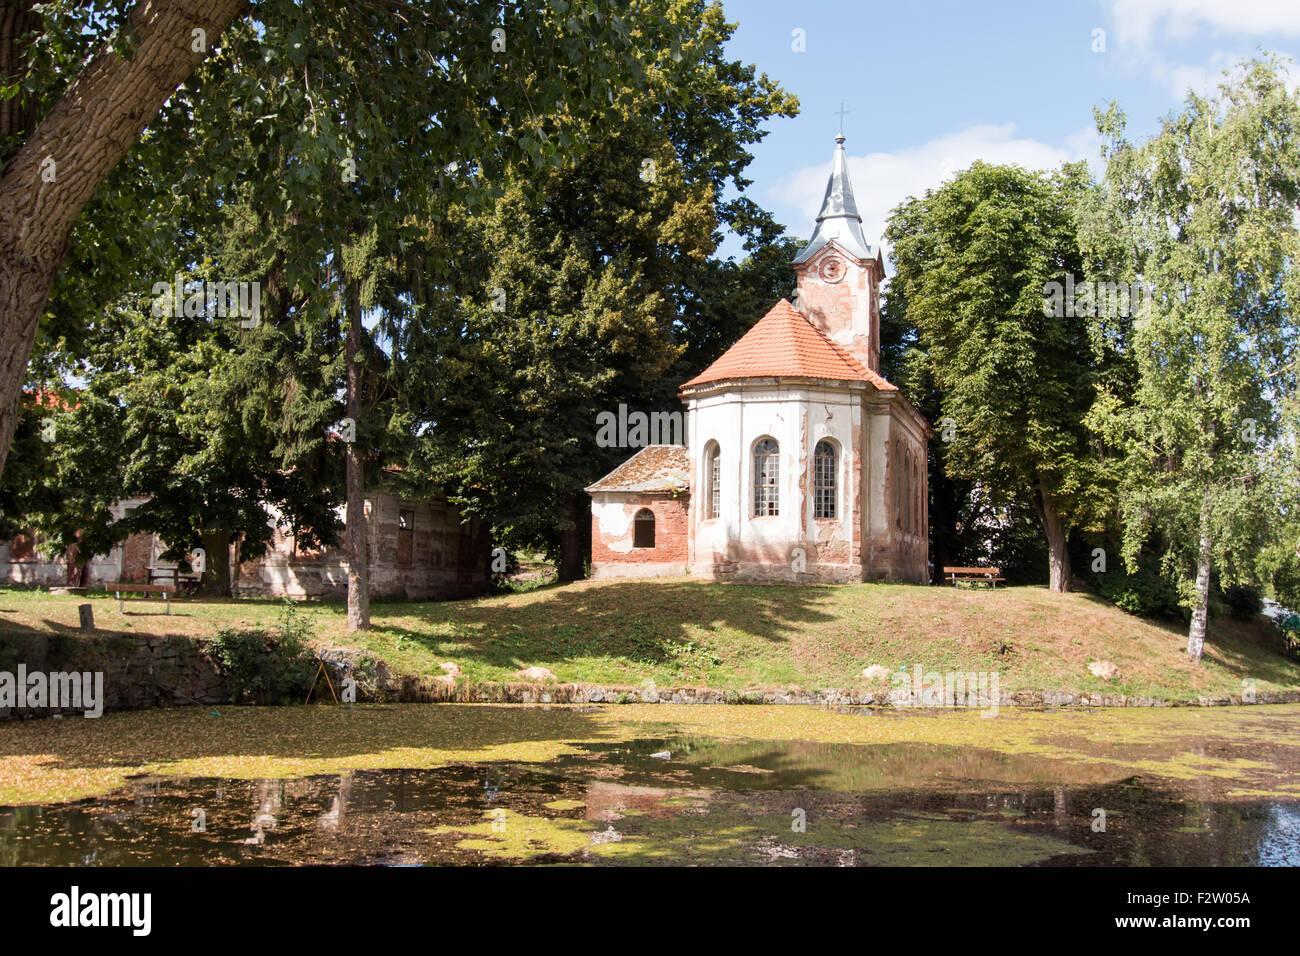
[[1058, 553], [1201, 607], [70, 151], [357, 555]]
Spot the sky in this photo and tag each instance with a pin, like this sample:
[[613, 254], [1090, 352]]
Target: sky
[[932, 85]]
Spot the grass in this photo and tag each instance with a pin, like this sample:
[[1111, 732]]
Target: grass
[[679, 632]]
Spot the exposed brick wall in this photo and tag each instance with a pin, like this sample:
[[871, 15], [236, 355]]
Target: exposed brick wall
[[672, 532], [136, 552], [830, 306]]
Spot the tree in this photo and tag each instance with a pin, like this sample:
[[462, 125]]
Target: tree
[[1206, 212], [155, 420], [582, 287], [333, 121], [67, 125], [973, 260], [55, 158]]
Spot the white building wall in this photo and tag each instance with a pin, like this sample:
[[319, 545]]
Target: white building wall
[[797, 417]]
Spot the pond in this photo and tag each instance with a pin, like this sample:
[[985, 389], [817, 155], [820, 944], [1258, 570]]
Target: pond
[[1047, 788]]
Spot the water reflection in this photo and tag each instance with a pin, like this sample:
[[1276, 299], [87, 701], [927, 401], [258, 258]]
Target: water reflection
[[713, 802]]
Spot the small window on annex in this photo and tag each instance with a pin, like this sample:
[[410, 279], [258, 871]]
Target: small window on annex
[[643, 529], [824, 461]]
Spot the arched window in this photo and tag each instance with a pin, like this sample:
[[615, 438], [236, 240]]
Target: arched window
[[920, 497], [824, 459], [643, 529], [712, 482], [896, 471], [767, 474]]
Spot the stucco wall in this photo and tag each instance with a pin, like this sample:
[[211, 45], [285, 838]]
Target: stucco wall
[[797, 417], [847, 309], [102, 568], [448, 558]]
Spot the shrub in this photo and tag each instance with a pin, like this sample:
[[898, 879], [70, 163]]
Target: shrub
[[1244, 603], [1146, 593], [265, 667]]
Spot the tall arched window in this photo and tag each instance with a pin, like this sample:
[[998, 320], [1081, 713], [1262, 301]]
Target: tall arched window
[[907, 493], [767, 475], [896, 472], [643, 529], [712, 482], [920, 497], [824, 497]]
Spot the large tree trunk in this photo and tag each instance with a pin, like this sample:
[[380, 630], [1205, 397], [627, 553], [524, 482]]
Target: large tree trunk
[[1058, 554], [1201, 609], [98, 119], [215, 579], [573, 543], [357, 554]]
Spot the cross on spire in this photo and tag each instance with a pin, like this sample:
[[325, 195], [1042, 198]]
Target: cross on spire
[[842, 112]]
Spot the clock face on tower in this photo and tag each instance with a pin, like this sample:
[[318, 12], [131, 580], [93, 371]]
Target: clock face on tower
[[831, 269]]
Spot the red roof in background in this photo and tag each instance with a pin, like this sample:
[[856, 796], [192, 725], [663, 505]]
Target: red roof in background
[[47, 398], [785, 344]]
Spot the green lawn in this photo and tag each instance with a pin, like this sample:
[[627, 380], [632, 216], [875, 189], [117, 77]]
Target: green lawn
[[679, 632]]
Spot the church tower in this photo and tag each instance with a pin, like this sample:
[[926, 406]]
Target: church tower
[[839, 272]]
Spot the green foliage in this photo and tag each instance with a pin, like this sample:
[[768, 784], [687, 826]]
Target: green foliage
[[1243, 602], [584, 286], [1144, 591], [1204, 213], [1006, 385], [265, 666]]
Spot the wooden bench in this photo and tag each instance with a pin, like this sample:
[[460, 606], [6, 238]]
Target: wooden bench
[[989, 576], [148, 592], [181, 582]]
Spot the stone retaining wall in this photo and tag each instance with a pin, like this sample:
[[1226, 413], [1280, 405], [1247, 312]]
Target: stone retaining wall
[[409, 689], [139, 672]]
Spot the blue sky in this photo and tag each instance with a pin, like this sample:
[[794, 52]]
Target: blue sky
[[932, 85]]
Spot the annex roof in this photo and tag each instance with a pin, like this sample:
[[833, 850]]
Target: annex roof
[[653, 468]]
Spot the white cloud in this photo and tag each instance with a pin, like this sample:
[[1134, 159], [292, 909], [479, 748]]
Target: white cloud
[[1140, 22], [1142, 32], [883, 180]]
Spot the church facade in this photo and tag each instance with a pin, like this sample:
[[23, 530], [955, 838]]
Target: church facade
[[803, 463]]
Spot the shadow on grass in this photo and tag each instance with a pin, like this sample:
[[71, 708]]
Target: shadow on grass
[[646, 622]]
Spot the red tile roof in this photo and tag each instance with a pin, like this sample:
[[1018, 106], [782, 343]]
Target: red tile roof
[[653, 468], [785, 344]]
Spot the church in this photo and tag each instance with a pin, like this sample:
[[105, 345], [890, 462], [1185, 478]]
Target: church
[[803, 463]]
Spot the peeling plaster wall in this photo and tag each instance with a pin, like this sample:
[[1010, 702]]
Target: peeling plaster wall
[[848, 309], [612, 553], [797, 416], [449, 558], [894, 553]]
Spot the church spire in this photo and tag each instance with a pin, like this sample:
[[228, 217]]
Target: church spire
[[839, 218]]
